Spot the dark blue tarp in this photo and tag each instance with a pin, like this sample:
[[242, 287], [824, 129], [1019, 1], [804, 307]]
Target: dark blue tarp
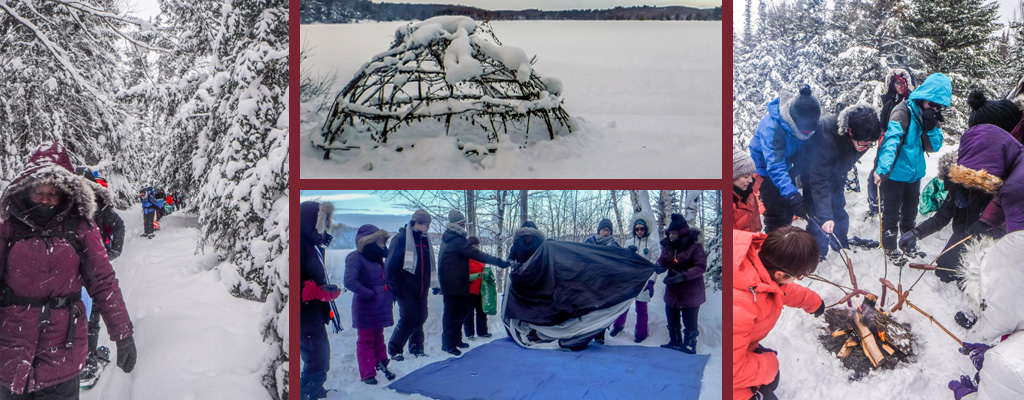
[[502, 370]]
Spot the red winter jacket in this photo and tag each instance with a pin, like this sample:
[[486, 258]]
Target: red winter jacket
[[757, 304], [33, 357], [745, 214], [475, 267]]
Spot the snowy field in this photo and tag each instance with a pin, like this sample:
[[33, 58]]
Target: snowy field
[[343, 378], [194, 340], [810, 372], [649, 91]]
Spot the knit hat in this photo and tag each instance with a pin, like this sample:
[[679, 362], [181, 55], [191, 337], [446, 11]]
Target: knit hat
[[1002, 113], [421, 216], [454, 217], [529, 224], [805, 110], [678, 223], [605, 223], [742, 164]]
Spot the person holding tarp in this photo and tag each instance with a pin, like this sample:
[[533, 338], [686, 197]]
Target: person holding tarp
[[603, 237], [765, 268], [683, 255], [640, 243], [993, 278], [526, 240], [409, 265], [453, 272], [568, 293], [315, 308]]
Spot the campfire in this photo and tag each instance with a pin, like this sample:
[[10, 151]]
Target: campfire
[[866, 338]]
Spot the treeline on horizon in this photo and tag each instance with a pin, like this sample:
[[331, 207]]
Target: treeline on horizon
[[348, 11]]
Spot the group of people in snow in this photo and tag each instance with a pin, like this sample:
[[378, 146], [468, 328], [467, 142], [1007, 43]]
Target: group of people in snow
[[403, 272], [58, 234], [796, 166], [155, 205]]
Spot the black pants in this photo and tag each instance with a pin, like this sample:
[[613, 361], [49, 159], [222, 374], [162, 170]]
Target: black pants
[[899, 209], [93, 332], [475, 311], [455, 307], [689, 318], [147, 222], [412, 313], [315, 350], [67, 390], [777, 211]]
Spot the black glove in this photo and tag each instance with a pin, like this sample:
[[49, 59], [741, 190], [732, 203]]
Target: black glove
[[436, 291], [762, 350], [503, 264], [632, 248], [327, 239], [821, 310], [929, 119], [112, 254], [909, 239], [126, 354], [796, 200], [675, 278], [514, 264], [978, 228]]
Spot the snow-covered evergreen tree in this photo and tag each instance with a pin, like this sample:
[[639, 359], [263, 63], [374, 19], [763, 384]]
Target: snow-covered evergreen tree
[[713, 248]]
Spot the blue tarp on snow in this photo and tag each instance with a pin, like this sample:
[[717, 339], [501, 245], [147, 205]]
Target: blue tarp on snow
[[502, 370]]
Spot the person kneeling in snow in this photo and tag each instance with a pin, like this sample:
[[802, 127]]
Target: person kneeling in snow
[[764, 270], [992, 280], [49, 250], [315, 309], [371, 305], [686, 261]]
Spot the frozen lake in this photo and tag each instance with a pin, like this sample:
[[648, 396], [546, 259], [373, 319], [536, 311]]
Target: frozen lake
[[649, 91]]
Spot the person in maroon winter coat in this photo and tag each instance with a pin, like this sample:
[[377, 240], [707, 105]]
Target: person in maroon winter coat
[[49, 249], [371, 304], [686, 261]]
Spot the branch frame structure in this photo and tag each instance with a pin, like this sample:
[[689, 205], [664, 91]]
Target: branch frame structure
[[446, 76]]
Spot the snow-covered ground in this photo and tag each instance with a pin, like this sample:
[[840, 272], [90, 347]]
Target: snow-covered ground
[[343, 377], [194, 340], [810, 372], [649, 91]]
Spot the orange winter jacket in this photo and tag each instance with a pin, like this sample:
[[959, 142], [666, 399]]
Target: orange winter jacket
[[757, 304], [746, 215]]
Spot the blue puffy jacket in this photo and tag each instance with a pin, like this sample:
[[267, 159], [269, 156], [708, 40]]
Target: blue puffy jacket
[[774, 143], [909, 165], [149, 203]]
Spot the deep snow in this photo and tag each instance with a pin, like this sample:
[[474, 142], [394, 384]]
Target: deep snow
[[343, 377], [640, 90], [194, 340], [810, 372]]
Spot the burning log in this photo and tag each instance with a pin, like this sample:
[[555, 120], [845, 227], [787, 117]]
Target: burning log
[[866, 339]]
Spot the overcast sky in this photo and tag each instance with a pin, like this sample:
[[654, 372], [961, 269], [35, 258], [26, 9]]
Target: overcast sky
[[564, 4], [1007, 10]]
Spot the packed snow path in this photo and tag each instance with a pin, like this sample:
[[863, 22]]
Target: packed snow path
[[343, 379], [194, 340]]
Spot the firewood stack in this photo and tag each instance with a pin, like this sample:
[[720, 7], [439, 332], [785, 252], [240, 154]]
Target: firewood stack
[[866, 338]]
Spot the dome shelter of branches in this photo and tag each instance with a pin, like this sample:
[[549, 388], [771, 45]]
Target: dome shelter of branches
[[448, 75]]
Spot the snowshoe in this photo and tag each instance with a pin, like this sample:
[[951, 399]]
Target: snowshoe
[[914, 252], [94, 366], [896, 257], [853, 180], [865, 243], [383, 367], [964, 320]]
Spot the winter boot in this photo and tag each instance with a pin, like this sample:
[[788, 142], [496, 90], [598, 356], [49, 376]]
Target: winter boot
[[965, 320], [690, 342], [418, 353], [865, 243], [616, 330], [382, 366], [370, 381], [675, 341], [896, 257]]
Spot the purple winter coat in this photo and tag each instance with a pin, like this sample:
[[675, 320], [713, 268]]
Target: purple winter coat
[[684, 259], [990, 159], [33, 357], [364, 276]]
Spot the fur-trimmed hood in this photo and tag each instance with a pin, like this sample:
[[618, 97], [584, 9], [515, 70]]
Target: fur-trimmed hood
[[902, 73], [844, 116], [786, 99], [641, 219], [324, 216], [527, 231], [49, 165], [946, 162], [368, 234], [992, 278], [986, 157]]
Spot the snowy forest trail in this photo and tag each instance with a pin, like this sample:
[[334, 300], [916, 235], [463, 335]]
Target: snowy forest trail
[[343, 378], [194, 340]]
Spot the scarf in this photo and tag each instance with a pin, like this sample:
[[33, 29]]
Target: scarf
[[412, 258], [603, 240]]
